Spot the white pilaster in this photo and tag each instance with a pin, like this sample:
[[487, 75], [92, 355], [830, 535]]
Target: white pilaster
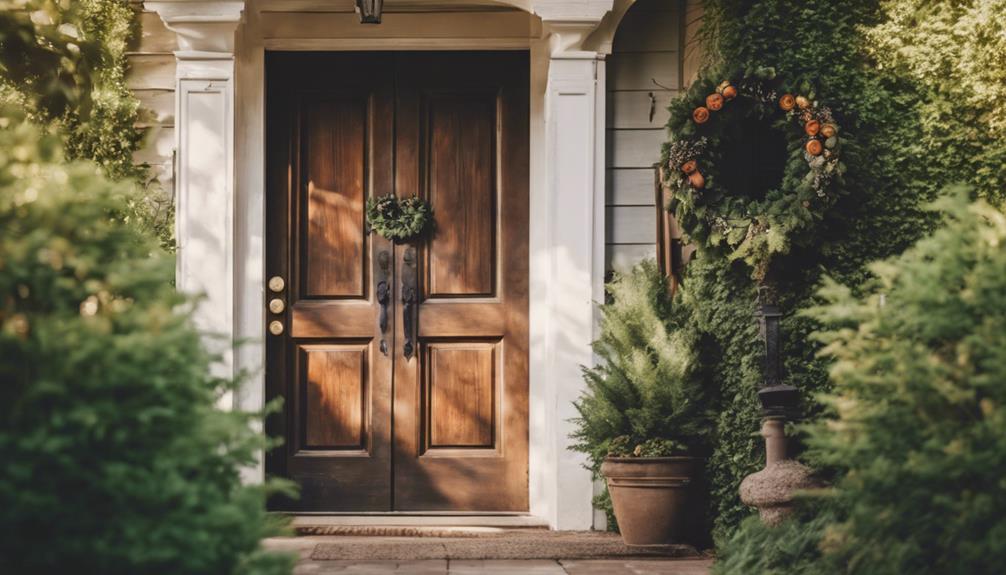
[[204, 128], [571, 252]]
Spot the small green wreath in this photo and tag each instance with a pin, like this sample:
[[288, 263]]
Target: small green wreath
[[752, 225], [399, 220]]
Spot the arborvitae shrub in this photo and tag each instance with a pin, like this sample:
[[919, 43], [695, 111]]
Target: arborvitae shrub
[[115, 456], [917, 425]]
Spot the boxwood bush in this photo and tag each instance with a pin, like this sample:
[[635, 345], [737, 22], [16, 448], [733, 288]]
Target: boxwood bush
[[115, 456]]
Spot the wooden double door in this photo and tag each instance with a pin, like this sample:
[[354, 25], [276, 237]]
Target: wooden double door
[[402, 367]]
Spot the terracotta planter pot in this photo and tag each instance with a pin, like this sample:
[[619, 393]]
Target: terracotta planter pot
[[652, 497]]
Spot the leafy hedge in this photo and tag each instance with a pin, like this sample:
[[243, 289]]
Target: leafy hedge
[[924, 102], [65, 64], [116, 458], [917, 425]]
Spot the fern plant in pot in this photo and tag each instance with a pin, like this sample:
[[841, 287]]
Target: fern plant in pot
[[644, 419]]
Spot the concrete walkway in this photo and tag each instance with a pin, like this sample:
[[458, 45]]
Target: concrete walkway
[[316, 560]]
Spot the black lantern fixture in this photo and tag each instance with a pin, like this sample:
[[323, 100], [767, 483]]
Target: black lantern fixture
[[777, 399], [369, 11]]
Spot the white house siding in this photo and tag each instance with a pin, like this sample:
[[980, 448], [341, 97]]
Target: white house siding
[[646, 61], [151, 76]]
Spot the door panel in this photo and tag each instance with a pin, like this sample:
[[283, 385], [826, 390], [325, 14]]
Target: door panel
[[368, 424], [459, 390], [335, 398], [334, 129], [460, 134], [460, 434], [329, 133]]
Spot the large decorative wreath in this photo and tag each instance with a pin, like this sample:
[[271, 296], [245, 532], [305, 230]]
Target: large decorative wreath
[[399, 220], [719, 208]]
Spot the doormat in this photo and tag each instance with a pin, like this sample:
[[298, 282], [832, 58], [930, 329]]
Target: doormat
[[521, 545], [395, 531]]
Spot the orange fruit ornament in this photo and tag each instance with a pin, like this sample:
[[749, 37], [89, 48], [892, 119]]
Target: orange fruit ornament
[[700, 115], [814, 147], [729, 92], [689, 166], [714, 102], [828, 130], [787, 102], [812, 127], [802, 102], [696, 180]]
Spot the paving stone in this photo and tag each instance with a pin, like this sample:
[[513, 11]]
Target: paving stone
[[508, 545], [430, 567], [504, 567], [637, 566]]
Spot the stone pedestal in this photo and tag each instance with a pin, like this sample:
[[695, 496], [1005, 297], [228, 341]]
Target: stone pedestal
[[771, 490]]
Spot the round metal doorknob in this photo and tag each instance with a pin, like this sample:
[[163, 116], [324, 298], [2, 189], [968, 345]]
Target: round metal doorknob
[[276, 284], [276, 305], [276, 327]]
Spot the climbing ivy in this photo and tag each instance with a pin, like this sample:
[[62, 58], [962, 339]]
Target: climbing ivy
[[880, 214]]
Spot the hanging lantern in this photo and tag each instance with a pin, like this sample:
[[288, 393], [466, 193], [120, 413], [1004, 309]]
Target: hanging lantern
[[369, 11]]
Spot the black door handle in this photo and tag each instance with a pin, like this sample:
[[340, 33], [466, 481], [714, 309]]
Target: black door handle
[[383, 295], [409, 299]]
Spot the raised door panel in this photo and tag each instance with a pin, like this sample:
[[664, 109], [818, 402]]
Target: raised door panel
[[461, 187], [460, 391], [335, 397], [334, 143]]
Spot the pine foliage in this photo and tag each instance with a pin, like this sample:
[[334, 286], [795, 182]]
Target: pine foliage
[[646, 385]]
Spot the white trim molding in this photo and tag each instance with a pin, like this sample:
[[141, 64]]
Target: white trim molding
[[204, 139], [567, 251]]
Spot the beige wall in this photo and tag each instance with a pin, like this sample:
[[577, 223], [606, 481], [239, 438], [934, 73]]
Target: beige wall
[[152, 78], [646, 52]]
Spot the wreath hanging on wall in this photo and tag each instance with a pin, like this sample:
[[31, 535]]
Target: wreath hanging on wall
[[732, 206], [399, 220]]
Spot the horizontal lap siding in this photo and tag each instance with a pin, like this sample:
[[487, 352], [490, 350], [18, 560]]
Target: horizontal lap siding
[[646, 60], [151, 76]]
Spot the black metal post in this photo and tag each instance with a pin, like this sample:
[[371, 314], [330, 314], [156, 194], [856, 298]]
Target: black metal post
[[777, 399]]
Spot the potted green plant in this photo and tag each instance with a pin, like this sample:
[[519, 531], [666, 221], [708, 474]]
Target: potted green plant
[[644, 417]]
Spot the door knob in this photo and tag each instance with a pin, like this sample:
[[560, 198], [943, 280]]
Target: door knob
[[276, 327], [276, 305], [276, 284]]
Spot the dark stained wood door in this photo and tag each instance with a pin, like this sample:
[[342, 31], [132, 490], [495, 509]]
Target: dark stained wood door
[[429, 410]]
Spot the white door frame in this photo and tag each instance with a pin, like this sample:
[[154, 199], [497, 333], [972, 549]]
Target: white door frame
[[220, 74]]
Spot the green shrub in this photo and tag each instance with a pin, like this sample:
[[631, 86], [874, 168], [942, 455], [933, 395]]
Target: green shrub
[[791, 548], [920, 403], [64, 64], [115, 457], [645, 396], [917, 426], [953, 50]]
